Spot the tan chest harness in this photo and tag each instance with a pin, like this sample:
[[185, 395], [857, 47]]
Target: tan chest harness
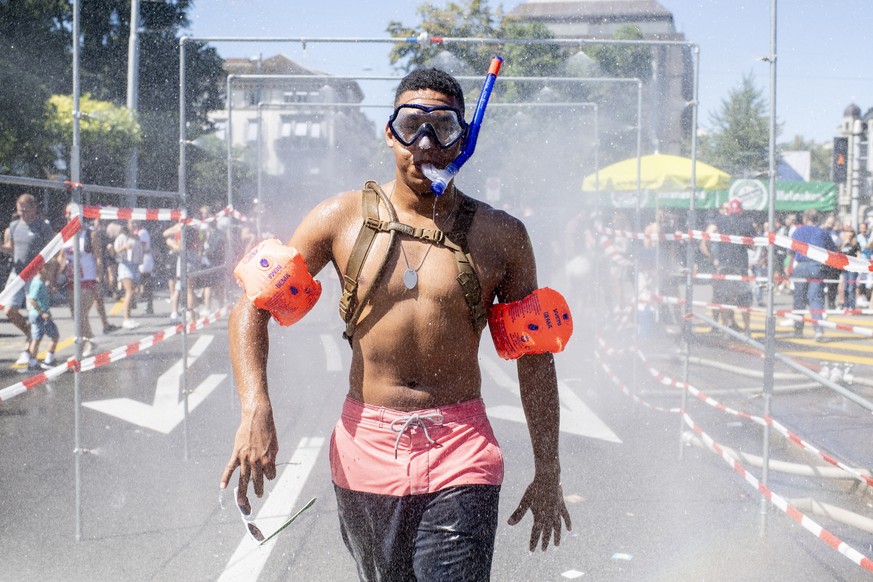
[[351, 306]]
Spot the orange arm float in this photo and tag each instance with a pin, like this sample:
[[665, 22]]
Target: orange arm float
[[275, 278], [539, 323]]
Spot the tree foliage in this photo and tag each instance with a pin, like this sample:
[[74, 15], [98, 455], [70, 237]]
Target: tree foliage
[[32, 56], [35, 63], [739, 141], [475, 19], [624, 61], [107, 133]]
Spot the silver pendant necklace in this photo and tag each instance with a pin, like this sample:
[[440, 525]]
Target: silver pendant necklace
[[410, 276]]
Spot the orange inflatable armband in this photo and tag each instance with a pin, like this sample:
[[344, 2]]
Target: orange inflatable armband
[[275, 278], [539, 323]]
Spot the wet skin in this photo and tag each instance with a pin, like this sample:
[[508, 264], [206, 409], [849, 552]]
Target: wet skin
[[413, 349]]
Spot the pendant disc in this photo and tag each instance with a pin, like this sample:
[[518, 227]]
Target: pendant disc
[[410, 279]]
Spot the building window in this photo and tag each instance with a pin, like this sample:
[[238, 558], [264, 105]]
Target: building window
[[252, 131], [220, 128], [287, 124]]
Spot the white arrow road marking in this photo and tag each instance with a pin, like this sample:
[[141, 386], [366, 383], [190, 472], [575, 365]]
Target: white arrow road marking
[[576, 417], [248, 560], [331, 353], [166, 410]]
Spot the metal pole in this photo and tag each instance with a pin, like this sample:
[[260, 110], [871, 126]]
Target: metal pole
[[133, 94], [855, 155], [770, 331], [229, 135], [259, 163], [183, 251], [638, 228], [690, 253], [75, 175]]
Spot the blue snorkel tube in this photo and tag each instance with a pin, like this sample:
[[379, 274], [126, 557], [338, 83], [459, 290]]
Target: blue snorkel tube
[[440, 178]]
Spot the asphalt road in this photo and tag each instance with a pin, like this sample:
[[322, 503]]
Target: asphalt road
[[644, 505]]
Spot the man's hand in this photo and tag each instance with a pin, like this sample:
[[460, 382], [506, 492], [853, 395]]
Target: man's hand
[[254, 452], [545, 499]]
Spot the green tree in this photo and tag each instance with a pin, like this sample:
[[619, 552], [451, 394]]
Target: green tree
[[33, 59], [624, 61], [106, 28], [739, 140], [475, 19], [207, 174], [108, 133], [35, 63]]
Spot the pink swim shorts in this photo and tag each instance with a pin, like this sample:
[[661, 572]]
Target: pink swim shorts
[[392, 452]]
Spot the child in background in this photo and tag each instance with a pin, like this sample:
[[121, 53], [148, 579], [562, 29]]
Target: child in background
[[41, 323]]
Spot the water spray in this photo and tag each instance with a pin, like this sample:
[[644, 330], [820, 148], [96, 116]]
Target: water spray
[[440, 178]]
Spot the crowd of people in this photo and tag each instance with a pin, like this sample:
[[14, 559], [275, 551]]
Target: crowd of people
[[118, 261], [598, 246]]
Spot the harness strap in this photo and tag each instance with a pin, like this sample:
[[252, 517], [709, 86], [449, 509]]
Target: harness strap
[[425, 234], [456, 241], [467, 277], [366, 236], [350, 309]]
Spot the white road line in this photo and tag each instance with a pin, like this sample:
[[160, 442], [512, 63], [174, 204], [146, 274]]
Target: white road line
[[249, 559], [576, 417], [331, 353]]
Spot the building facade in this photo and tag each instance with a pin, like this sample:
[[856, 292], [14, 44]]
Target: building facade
[[666, 116], [302, 130]]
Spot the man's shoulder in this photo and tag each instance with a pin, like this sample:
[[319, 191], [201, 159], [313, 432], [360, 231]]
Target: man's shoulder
[[495, 219]]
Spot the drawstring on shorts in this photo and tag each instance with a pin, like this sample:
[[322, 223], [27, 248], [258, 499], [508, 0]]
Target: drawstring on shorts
[[415, 420]]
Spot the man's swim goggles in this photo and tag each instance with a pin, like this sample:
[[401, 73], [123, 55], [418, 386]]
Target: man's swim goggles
[[444, 124]]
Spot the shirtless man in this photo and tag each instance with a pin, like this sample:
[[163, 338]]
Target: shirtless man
[[414, 374]]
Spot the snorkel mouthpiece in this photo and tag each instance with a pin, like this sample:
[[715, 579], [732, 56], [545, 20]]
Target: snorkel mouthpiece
[[440, 178]]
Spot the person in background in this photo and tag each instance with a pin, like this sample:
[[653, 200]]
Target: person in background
[[89, 272], [831, 275], [98, 248], [172, 239], [108, 233], [40, 318], [758, 264], [25, 237], [705, 259], [212, 254], [865, 279], [808, 286], [145, 289], [128, 253], [851, 248], [733, 259]]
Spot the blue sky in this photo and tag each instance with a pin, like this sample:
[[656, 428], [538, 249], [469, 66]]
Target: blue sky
[[821, 50]]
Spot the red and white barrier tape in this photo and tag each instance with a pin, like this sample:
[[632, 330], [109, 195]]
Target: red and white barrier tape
[[700, 395], [627, 392], [808, 524], [617, 256], [105, 358], [831, 258], [721, 277], [226, 211], [112, 213], [165, 214], [54, 246], [820, 255]]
